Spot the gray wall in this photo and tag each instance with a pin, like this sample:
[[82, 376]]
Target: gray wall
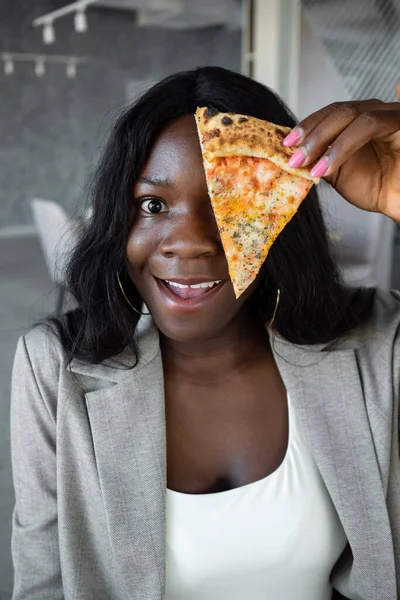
[[363, 240], [51, 127]]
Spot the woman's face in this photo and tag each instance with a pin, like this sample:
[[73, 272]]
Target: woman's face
[[174, 245]]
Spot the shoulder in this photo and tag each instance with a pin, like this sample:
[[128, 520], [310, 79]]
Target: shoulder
[[380, 310], [39, 365], [377, 340], [383, 325], [42, 347], [386, 312], [40, 361]]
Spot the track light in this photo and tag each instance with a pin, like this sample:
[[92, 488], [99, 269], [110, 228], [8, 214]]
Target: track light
[[49, 35], [39, 68], [9, 66], [71, 70], [81, 24], [39, 62], [77, 9]]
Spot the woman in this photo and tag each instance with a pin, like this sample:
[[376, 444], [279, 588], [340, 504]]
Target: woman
[[213, 447]]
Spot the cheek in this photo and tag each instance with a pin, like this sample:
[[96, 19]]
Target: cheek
[[142, 244]]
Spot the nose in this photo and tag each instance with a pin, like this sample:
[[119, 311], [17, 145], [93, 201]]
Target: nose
[[192, 236]]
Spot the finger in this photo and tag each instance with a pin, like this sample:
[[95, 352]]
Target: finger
[[316, 141], [397, 89], [367, 127], [307, 125]]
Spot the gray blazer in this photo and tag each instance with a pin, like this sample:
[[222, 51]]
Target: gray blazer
[[89, 461]]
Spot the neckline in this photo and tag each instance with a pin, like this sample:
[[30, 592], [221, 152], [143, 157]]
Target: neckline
[[253, 484]]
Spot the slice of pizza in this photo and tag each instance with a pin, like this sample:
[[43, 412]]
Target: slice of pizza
[[253, 191]]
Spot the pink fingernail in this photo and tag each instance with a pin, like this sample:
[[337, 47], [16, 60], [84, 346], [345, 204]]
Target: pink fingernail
[[319, 169], [297, 159], [292, 138]]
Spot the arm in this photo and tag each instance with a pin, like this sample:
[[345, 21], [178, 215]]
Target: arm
[[34, 542]]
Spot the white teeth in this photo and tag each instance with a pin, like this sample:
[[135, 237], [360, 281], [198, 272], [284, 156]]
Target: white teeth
[[180, 285], [205, 284]]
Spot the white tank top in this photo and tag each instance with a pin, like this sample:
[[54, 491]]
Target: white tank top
[[278, 537]]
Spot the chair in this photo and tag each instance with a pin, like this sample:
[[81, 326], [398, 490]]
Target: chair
[[57, 236]]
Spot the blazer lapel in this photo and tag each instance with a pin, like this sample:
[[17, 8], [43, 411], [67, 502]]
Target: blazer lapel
[[325, 388], [127, 421]]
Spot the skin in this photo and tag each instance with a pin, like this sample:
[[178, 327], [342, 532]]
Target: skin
[[226, 407]]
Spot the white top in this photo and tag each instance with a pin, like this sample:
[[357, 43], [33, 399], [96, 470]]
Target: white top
[[278, 537]]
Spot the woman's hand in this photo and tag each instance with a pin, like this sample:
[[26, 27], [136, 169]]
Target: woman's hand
[[358, 147]]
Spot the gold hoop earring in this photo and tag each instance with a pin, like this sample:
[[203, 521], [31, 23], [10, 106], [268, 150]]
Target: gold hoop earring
[[126, 298], [278, 297]]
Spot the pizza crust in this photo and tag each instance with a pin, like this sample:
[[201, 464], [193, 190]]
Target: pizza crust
[[230, 134]]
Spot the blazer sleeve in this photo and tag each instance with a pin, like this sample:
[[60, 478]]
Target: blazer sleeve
[[34, 542]]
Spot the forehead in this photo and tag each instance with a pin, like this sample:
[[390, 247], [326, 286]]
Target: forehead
[[176, 150]]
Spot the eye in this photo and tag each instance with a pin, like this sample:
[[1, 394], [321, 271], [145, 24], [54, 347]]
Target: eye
[[153, 206]]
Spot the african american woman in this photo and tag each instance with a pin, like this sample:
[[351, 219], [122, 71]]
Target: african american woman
[[208, 448]]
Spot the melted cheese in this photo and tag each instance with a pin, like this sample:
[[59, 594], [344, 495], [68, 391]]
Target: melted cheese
[[253, 199]]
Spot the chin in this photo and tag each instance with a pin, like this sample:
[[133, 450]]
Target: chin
[[191, 330]]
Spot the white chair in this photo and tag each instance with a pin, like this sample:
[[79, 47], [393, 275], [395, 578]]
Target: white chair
[[57, 235]]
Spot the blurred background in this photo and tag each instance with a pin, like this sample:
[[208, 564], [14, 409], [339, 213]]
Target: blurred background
[[66, 70]]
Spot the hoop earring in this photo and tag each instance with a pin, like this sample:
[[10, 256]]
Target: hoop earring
[[126, 298], [278, 297]]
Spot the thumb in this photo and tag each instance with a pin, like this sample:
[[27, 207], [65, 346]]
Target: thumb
[[397, 89]]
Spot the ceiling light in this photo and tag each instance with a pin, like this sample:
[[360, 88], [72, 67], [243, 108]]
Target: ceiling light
[[49, 35], [39, 68], [80, 21], [71, 70]]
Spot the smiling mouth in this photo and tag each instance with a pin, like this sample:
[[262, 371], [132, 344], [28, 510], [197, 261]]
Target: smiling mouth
[[190, 291]]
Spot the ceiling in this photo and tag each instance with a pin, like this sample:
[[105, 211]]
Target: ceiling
[[181, 14]]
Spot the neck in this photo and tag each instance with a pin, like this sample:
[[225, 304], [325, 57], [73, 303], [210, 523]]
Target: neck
[[211, 361]]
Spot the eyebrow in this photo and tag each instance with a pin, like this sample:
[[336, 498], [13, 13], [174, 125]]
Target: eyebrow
[[155, 181]]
